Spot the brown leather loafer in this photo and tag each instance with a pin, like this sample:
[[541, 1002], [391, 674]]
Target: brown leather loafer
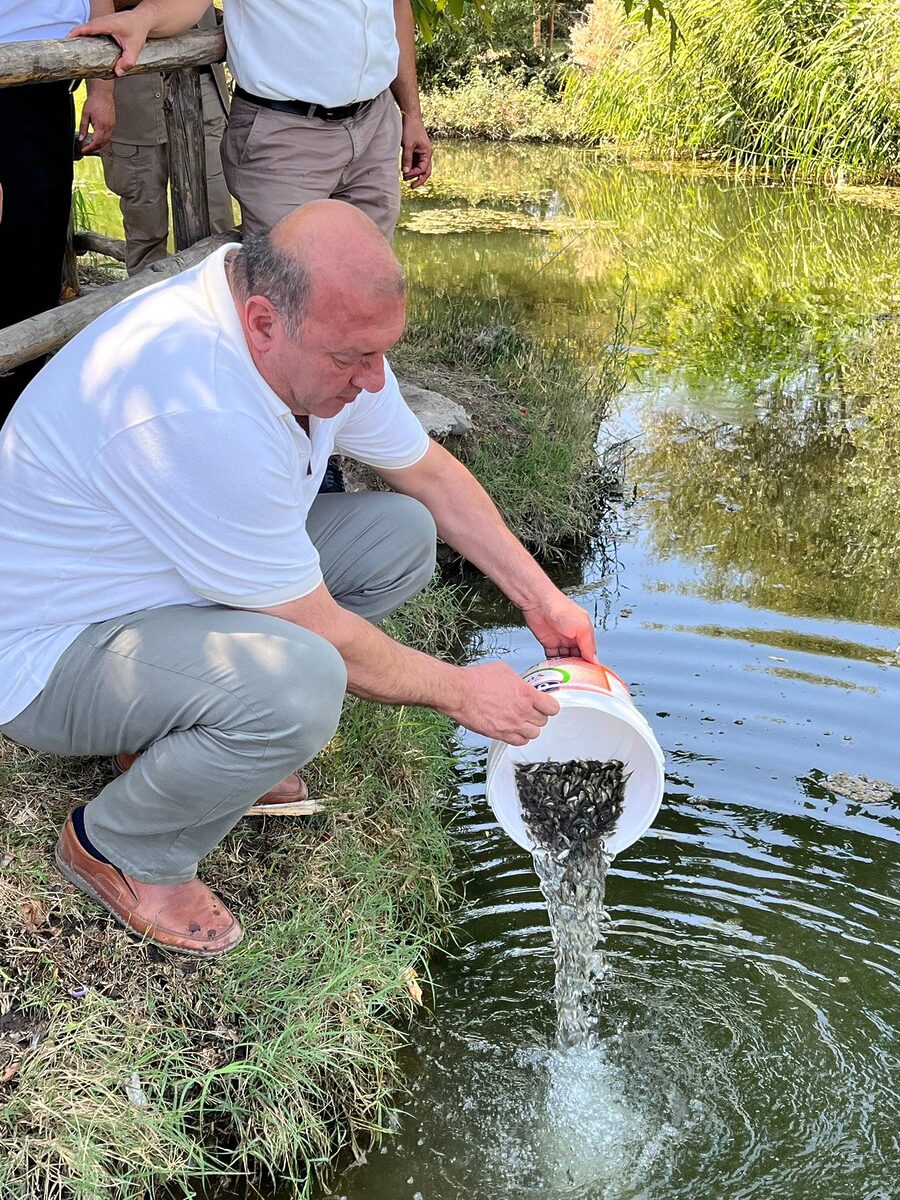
[[290, 798], [185, 917]]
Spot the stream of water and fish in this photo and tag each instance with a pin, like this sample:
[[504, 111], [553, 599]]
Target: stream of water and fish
[[746, 587]]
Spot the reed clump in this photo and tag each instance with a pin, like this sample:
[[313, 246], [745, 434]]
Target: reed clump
[[499, 106], [805, 88]]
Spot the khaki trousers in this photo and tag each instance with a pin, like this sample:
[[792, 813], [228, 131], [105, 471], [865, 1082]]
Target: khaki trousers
[[139, 176], [275, 161], [223, 702]]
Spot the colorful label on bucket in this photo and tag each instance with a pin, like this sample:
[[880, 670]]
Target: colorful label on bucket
[[576, 675]]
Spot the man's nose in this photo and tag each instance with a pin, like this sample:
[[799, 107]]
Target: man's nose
[[369, 375]]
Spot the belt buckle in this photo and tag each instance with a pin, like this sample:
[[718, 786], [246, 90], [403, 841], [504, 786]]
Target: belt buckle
[[334, 114]]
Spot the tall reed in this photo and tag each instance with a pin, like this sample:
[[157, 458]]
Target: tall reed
[[798, 87]]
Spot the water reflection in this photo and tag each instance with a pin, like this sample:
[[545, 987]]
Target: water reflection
[[749, 1020], [737, 285], [770, 512]]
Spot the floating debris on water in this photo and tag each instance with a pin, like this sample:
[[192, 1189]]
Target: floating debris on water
[[862, 789], [488, 220]]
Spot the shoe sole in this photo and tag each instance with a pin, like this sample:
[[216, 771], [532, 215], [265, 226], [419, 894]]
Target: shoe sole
[[292, 808], [74, 878]]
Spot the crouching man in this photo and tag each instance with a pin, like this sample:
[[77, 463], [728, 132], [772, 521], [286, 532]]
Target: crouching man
[[177, 594]]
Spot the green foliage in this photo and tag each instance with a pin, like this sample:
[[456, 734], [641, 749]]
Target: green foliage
[[496, 105], [429, 15], [801, 87], [507, 43], [652, 9], [82, 209]]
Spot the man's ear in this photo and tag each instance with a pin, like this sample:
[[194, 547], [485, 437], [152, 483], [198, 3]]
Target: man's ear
[[262, 321]]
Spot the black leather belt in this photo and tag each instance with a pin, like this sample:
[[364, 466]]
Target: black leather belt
[[301, 108]]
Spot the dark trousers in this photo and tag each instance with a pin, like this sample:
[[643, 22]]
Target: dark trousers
[[37, 131]]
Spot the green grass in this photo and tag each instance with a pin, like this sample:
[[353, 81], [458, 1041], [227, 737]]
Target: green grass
[[536, 409], [262, 1063]]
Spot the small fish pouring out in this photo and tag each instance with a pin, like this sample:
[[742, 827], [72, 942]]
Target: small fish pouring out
[[571, 805], [569, 809]]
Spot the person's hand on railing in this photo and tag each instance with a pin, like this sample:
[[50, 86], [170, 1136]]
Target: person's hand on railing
[[97, 117], [129, 29]]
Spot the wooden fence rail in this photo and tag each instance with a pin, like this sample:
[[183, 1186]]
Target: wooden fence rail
[[87, 58], [49, 330]]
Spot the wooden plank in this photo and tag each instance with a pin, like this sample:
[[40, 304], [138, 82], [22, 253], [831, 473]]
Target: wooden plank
[[86, 58], [49, 330], [187, 158], [88, 242]]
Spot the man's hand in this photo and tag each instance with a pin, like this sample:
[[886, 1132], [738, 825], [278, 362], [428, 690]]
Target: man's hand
[[563, 628], [98, 116], [468, 520], [417, 151], [490, 698], [129, 29], [498, 703]]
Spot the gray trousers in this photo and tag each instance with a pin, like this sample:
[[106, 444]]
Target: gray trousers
[[224, 702], [274, 161]]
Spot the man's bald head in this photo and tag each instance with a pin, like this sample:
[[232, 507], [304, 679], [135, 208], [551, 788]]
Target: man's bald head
[[325, 257]]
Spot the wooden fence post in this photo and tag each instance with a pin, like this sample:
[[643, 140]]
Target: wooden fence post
[[70, 286], [87, 58], [187, 158]]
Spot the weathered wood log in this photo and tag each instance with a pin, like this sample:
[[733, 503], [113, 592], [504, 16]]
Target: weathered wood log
[[49, 330], [88, 242], [86, 58], [183, 108]]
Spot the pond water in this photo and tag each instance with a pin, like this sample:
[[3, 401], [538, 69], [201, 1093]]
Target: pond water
[[748, 592], [747, 589]]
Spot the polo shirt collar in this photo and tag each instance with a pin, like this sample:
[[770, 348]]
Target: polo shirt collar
[[221, 303]]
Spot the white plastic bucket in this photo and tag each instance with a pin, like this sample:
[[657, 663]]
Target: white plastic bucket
[[596, 720]]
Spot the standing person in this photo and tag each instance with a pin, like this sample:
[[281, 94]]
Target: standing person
[[136, 161], [174, 587], [326, 96], [36, 155]]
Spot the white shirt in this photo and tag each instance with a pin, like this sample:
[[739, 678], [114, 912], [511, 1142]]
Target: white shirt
[[149, 464], [330, 53], [26, 20]]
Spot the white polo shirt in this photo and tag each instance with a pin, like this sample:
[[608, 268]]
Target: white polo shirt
[[149, 464], [27, 20], [331, 54]]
